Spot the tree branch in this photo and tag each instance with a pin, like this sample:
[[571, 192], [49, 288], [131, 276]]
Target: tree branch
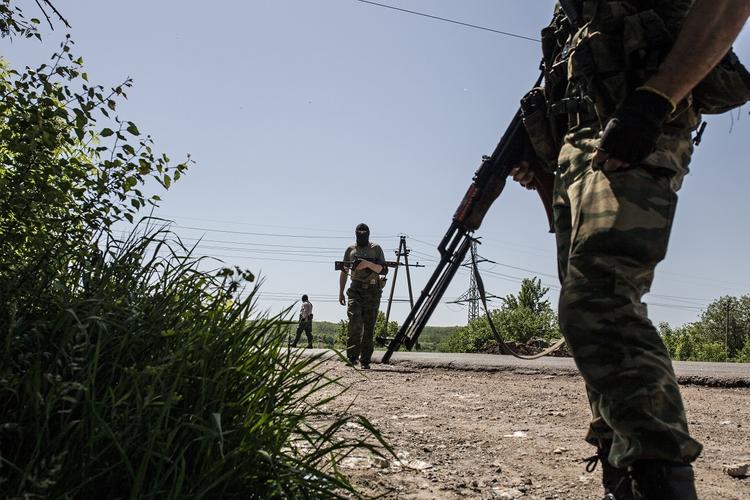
[[54, 9], [57, 12]]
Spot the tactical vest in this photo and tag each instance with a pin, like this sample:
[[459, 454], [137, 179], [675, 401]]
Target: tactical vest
[[594, 56], [371, 251]]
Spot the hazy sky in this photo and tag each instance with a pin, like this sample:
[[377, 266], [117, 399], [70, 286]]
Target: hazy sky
[[306, 117]]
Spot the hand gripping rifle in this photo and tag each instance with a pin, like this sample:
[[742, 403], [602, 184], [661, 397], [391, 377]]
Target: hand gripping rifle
[[488, 182]]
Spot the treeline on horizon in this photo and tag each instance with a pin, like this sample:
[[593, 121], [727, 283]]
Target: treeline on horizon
[[721, 333]]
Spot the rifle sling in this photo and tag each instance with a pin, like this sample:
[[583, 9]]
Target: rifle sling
[[571, 12], [495, 333]]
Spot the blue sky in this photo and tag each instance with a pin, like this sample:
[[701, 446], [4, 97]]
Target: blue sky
[[306, 117]]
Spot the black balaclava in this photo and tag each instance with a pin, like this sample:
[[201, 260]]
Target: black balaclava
[[304, 298], [363, 235]]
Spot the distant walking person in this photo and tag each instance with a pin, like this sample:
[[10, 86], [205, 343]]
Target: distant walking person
[[305, 322], [365, 262]]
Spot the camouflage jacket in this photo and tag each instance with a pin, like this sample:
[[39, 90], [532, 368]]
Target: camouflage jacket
[[372, 252]]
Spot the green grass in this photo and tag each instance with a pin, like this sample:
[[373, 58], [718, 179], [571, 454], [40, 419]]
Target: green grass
[[142, 376]]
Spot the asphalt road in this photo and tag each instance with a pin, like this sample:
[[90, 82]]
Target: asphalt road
[[688, 372]]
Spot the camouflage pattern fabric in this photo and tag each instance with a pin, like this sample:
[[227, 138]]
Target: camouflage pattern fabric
[[372, 251], [612, 231], [362, 308]]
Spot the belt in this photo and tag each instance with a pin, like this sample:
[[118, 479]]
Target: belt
[[580, 111], [364, 285]]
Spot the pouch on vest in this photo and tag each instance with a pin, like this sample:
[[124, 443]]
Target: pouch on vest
[[536, 120], [646, 41], [726, 87]]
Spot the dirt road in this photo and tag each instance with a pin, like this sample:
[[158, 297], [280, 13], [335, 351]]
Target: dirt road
[[479, 434]]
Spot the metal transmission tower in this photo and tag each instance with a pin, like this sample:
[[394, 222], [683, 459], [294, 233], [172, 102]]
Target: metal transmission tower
[[473, 292], [471, 296], [402, 251]]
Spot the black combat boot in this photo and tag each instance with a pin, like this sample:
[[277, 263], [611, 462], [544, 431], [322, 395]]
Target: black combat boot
[[660, 480], [616, 482]]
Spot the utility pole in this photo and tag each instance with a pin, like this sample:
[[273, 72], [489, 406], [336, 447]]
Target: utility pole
[[403, 251], [726, 330]]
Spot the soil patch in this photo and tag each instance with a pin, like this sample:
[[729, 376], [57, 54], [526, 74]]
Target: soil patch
[[465, 434]]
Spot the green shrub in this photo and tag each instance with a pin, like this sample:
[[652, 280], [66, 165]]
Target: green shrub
[[521, 318], [744, 355]]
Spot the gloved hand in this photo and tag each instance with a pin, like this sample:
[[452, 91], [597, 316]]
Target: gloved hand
[[631, 134]]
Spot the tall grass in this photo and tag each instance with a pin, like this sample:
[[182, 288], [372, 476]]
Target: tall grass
[[133, 373]]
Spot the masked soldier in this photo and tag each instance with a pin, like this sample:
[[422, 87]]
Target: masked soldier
[[366, 267], [625, 84], [305, 322]]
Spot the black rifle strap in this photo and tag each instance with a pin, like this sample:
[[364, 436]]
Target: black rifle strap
[[495, 333], [571, 12]]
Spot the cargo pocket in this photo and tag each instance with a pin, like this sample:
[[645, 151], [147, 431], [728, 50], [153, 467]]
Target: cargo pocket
[[536, 120]]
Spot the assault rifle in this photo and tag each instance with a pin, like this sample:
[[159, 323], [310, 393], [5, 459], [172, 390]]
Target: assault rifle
[[342, 265], [487, 184]]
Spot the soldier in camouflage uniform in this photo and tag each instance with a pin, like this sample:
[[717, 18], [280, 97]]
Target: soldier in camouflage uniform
[[368, 262], [620, 88]]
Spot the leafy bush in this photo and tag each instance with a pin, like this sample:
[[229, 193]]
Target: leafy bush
[[474, 337], [744, 355], [721, 334], [521, 318], [726, 321]]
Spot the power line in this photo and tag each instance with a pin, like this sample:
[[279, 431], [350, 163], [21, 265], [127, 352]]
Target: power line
[[692, 303], [278, 297], [538, 273], [452, 21], [302, 252], [174, 218], [275, 235], [253, 243], [219, 257], [674, 306], [676, 298], [700, 281], [321, 251]]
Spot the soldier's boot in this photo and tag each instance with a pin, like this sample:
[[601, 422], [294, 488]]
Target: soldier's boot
[[616, 482], [660, 480]]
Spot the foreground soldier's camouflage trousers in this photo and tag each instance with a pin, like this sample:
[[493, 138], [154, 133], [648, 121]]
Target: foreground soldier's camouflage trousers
[[362, 309], [612, 230]]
